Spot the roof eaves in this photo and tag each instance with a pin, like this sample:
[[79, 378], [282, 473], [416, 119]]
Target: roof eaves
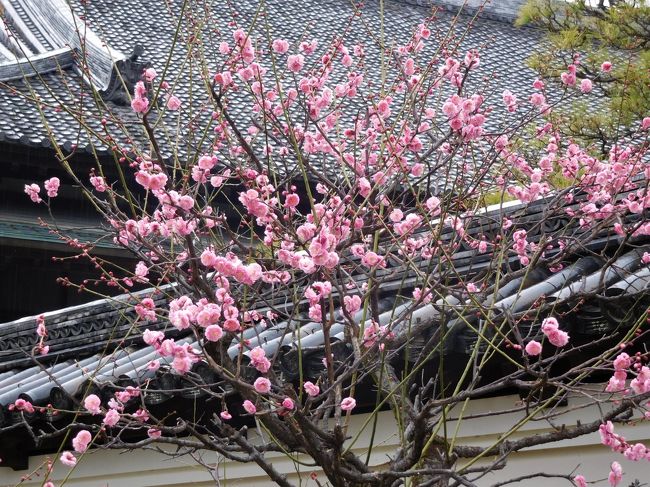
[[53, 37], [28, 67]]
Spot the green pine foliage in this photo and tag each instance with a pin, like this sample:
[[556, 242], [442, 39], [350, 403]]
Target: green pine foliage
[[594, 32]]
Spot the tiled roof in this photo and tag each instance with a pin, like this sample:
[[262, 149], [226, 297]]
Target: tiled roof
[[37, 37], [152, 25], [97, 345]]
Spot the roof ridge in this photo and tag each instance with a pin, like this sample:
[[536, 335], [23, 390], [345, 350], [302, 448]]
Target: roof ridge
[[505, 11]]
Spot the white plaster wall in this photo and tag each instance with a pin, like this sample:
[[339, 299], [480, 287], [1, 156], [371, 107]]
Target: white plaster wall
[[585, 455]]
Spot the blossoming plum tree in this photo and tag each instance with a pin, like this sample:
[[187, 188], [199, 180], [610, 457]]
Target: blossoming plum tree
[[340, 202]]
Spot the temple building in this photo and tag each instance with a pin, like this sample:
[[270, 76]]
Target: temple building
[[43, 57]]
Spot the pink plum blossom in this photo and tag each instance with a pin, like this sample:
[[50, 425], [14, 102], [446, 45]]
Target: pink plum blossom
[[153, 337], [140, 103], [352, 303], [557, 337], [52, 187], [41, 330], [249, 407], [32, 191], [372, 259], [348, 404], [645, 123], [586, 85], [280, 46], [23, 405], [311, 389], [262, 385], [81, 440], [213, 333], [533, 348], [292, 200], [173, 103], [68, 459], [111, 418], [92, 403], [616, 474], [154, 433], [141, 415], [295, 62], [150, 74], [99, 183], [580, 481], [259, 360]]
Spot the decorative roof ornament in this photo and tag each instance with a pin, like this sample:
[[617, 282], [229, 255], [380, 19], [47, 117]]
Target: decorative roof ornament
[[126, 73]]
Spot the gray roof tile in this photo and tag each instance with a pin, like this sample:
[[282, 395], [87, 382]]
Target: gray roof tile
[[123, 25]]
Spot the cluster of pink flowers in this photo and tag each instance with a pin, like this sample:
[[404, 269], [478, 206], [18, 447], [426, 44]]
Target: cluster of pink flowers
[[140, 102], [99, 183], [551, 329], [617, 382], [33, 190], [314, 294], [622, 363], [51, 186], [373, 333], [231, 266], [150, 176], [569, 76], [617, 443], [184, 356], [258, 360], [146, 309], [615, 475], [22, 405], [321, 242], [641, 383], [521, 245], [80, 444], [465, 116]]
